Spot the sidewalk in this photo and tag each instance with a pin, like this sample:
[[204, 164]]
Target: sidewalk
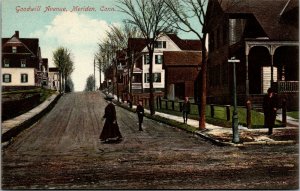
[[223, 136], [12, 127]]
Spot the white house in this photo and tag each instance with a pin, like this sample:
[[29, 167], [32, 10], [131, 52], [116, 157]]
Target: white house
[[21, 63], [166, 42]]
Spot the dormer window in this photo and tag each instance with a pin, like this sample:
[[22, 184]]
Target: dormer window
[[160, 44], [23, 63], [6, 63], [14, 49]]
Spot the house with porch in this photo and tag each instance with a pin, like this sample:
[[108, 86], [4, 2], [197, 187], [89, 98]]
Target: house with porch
[[138, 58], [263, 36], [53, 78], [22, 63]]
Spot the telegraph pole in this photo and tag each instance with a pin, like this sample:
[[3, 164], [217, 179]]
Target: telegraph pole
[[235, 120], [94, 75]]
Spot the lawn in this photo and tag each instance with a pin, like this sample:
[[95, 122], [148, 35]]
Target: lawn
[[220, 118], [293, 114]]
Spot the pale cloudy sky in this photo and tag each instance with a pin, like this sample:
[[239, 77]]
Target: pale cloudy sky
[[80, 32]]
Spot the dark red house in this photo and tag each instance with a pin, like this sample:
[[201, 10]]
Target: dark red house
[[181, 69], [263, 35]]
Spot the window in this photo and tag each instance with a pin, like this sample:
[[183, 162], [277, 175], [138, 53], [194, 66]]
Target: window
[[14, 49], [24, 78], [147, 59], [23, 63], [156, 77], [6, 63], [6, 78], [158, 59], [160, 44], [146, 78], [236, 28]]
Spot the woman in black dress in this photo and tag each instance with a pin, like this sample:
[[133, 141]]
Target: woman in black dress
[[110, 130]]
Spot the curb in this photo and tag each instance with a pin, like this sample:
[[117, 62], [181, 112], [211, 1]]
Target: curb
[[7, 136], [211, 139]]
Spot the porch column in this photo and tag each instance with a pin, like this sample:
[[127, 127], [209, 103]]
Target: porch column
[[247, 76], [272, 51], [247, 69], [272, 57]]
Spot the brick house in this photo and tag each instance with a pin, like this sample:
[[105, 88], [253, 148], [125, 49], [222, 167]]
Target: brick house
[[140, 60], [263, 35], [181, 69], [22, 63]]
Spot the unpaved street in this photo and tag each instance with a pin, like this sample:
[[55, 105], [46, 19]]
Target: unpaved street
[[62, 151]]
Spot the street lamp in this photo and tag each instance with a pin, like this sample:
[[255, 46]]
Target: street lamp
[[235, 120]]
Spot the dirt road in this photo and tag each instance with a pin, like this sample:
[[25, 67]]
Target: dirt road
[[62, 151]]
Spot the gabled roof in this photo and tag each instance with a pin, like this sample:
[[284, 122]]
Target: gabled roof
[[269, 14], [182, 58], [32, 44], [138, 44], [185, 44]]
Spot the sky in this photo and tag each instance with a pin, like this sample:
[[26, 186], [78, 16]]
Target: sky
[[79, 31]]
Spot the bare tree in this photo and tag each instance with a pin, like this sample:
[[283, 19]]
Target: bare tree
[[189, 16], [148, 17]]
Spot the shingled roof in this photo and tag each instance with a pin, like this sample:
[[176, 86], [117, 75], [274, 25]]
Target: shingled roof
[[182, 58], [185, 44], [278, 18], [31, 43], [138, 44]]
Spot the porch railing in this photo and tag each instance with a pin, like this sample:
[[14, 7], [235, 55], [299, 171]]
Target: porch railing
[[287, 86]]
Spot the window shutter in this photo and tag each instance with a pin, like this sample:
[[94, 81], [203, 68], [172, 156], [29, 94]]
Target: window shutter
[[164, 44]]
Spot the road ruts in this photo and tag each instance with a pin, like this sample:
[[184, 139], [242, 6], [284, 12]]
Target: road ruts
[[62, 151]]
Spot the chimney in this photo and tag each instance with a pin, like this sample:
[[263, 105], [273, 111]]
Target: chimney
[[17, 34]]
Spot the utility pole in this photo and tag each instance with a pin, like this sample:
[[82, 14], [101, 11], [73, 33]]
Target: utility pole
[[94, 75], [235, 120]]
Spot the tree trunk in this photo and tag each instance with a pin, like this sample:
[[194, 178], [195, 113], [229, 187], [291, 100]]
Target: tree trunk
[[130, 78], [202, 108], [63, 83], [60, 83], [151, 100]]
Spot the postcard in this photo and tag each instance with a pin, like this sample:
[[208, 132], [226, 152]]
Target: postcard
[[140, 94]]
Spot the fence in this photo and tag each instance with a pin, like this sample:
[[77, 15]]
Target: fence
[[247, 115]]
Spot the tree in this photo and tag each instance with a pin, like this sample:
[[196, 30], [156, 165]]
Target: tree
[[119, 37], [147, 16], [63, 61], [181, 15], [90, 81], [69, 85]]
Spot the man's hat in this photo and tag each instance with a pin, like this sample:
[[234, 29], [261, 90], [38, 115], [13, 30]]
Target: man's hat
[[109, 97]]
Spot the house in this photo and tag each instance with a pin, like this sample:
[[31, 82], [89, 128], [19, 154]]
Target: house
[[53, 78], [181, 70], [138, 57], [263, 36], [21, 63], [44, 72]]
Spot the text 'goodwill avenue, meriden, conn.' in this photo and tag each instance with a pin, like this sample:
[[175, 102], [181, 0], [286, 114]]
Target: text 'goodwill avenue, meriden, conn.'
[[45, 9]]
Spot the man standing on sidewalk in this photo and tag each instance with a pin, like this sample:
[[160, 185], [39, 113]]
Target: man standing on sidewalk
[[140, 113], [186, 108], [270, 109]]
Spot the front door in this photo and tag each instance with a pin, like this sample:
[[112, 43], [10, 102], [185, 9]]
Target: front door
[[266, 77]]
